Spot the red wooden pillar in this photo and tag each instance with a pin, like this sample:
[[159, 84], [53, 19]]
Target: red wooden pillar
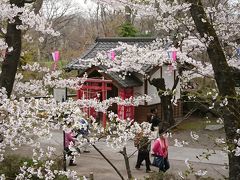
[[104, 97], [125, 111], [89, 90], [121, 108], [129, 109], [92, 95], [79, 94]]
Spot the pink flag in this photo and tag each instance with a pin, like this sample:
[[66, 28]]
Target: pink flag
[[57, 56], [113, 55], [174, 55]]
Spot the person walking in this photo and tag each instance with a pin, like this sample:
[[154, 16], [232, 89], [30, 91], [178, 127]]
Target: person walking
[[143, 145], [84, 132], [155, 122], [160, 153], [69, 142]]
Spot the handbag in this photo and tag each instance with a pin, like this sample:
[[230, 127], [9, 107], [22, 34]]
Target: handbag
[[161, 162], [158, 161]]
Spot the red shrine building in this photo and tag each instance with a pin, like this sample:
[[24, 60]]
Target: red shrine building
[[102, 85]]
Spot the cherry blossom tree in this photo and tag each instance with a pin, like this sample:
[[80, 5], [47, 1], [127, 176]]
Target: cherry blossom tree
[[24, 119], [192, 28], [188, 27], [19, 16]]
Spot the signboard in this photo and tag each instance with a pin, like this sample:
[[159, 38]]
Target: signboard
[[60, 94]]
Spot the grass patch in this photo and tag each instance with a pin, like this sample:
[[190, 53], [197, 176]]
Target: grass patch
[[191, 126], [195, 124]]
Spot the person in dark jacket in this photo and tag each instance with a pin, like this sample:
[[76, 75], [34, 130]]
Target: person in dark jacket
[[143, 145], [155, 122]]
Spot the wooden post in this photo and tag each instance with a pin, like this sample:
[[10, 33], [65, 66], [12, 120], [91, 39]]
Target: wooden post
[[126, 159], [91, 177], [64, 153]]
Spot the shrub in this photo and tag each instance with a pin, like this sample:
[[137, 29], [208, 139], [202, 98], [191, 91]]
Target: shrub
[[11, 164]]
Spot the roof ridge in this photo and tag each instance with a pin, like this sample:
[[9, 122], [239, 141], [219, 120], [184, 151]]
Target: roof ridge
[[125, 39]]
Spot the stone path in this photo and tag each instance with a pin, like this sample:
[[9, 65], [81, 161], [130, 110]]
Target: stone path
[[94, 162]]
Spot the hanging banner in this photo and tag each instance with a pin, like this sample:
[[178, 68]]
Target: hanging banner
[[174, 55], [56, 56], [111, 55]]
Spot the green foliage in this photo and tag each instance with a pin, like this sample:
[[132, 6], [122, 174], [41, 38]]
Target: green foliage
[[11, 164], [127, 30], [27, 58]]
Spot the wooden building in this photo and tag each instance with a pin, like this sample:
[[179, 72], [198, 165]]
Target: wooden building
[[112, 85]]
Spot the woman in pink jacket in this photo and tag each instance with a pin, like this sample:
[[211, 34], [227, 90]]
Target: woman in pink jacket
[[160, 150], [69, 141]]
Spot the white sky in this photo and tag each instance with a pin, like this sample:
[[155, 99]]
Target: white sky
[[86, 4]]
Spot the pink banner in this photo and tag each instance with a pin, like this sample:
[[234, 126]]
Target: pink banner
[[111, 55], [174, 55], [56, 56]]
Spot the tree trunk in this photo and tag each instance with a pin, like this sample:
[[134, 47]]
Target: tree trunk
[[128, 13], [167, 108], [166, 103], [225, 83], [11, 60], [37, 6], [126, 159], [14, 40]]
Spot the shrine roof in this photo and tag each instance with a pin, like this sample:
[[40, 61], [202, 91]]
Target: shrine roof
[[106, 44]]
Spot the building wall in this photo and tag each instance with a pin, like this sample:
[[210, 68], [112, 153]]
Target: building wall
[[142, 112], [152, 91], [169, 80], [139, 91]]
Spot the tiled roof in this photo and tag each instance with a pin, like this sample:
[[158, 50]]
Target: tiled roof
[[105, 44]]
